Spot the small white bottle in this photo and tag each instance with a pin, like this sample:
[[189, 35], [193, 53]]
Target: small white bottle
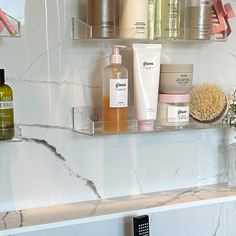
[[115, 94], [134, 19]]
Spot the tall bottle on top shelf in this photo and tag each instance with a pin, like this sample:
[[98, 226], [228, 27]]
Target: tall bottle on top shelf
[[198, 19], [151, 18], [167, 23], [134, 19], [102, 18], [115, 94], [6, 109]]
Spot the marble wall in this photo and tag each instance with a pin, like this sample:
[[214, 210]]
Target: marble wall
[[51, 73]]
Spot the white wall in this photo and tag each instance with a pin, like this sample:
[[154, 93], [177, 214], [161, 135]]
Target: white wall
[[50, 73]]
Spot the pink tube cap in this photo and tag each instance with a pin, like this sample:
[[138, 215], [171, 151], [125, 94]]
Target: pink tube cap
[[146, 125]]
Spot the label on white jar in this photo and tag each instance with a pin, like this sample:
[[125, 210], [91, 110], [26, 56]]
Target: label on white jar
[[178, 114], [118, 93]]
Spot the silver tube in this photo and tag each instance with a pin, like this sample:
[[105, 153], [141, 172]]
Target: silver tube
[[102, 18], [198, 19]]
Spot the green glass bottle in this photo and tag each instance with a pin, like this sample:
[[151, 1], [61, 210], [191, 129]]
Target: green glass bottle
[[6, 109]]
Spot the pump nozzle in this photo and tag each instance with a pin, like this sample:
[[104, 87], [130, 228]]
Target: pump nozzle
[[116, 57]]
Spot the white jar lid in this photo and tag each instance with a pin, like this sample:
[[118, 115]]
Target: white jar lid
[[172, 68], [174, 98]]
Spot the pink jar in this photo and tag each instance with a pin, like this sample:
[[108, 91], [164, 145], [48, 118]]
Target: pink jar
[[173, 109]]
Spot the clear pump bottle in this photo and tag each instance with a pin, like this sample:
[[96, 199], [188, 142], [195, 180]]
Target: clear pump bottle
[[115, 94]]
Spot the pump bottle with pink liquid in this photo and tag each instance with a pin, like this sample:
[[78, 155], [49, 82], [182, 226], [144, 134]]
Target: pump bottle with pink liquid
[[115, 94]]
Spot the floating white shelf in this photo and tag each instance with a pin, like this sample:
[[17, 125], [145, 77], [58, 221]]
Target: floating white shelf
[[15, 23], [87, 120], [77, 213]]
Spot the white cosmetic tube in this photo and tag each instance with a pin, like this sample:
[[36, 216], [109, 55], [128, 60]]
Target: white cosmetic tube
[[146, 66]]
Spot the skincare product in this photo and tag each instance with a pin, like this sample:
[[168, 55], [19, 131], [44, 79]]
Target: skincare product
[[102, 18], [198, 19], [220, 15], [176, 78], [146, 69], [167, 23], [208, 103], [218, 21], [151, 18], [134, 19], [6, 109], [173, 109], [115, 94]]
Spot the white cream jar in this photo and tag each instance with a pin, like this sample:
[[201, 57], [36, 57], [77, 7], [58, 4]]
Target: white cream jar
[[173, 109], [176, 78]]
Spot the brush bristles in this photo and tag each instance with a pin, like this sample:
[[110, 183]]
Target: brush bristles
[[207, 102]]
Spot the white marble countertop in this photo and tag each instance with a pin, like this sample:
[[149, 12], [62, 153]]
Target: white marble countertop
[[68, 214]]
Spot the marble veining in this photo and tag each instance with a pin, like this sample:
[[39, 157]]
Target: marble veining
[[177, 197], [36, 60], [11, 219], [45, 126], [219, 220], [91, 211], [136, 175], [60, 83], [3, 220], [53, 149], [45, 143]]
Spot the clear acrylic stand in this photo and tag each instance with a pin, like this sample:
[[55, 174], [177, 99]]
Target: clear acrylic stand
[[87, 120], [81, 30], [15, 23]]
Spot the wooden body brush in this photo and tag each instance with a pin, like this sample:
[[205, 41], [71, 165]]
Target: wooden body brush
[[208, 103]]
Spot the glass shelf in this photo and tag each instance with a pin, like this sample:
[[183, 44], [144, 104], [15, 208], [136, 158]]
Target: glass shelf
[[14, 23], [17, 136], [81, 30], [87, 120]]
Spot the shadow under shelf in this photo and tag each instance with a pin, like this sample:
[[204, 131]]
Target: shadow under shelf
[[86, 120]]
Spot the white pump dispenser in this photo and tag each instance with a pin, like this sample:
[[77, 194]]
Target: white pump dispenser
[[116, 58], [115, 94]]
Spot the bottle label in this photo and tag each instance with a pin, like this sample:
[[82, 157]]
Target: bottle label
[[118, 93], [178, 114], [6, 105], [197, 3]]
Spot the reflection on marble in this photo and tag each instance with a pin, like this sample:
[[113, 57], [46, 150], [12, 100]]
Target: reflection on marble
[[91, 211]]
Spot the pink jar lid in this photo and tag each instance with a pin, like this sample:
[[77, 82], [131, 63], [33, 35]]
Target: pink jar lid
[[174, 98]]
